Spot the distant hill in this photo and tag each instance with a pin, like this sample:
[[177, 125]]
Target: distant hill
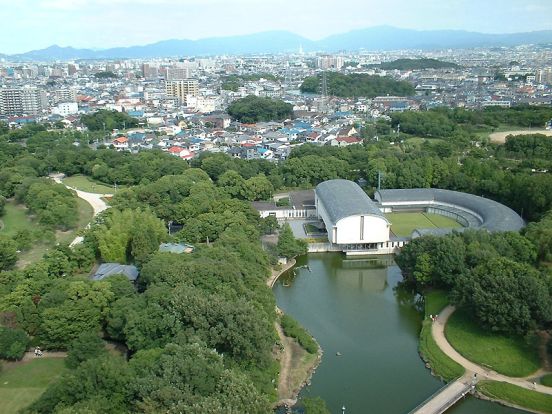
[[375, 38], [417, 64]]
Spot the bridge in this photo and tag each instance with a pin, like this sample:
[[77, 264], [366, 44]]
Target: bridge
[[446, 397]]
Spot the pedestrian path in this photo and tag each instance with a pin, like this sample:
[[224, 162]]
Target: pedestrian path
[[438, 332]]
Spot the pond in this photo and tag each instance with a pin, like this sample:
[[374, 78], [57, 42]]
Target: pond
[[368, 327]]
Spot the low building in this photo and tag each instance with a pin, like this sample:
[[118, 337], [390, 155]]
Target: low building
[[113, 269]]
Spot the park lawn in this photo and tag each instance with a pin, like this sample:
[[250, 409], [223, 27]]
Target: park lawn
[[86, 212], [442, 221], [516, 395], [403, 224], [15, 219], [83, 183], [441, 365], [435, 301], [546, 380], [38, 250], [22, 384], [508, 355]]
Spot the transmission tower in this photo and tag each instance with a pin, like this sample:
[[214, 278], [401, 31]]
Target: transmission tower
[[324, 91]]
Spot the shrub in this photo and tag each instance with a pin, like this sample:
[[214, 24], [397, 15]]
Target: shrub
[[13, 343], [294, 330]]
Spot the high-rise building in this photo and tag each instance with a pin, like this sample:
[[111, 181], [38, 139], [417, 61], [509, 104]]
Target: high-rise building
[[149, 71], [22, 101], [181, 88], [330, 62], [177, 73], [544, 76]]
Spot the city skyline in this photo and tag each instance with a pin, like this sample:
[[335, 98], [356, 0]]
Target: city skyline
[[100, 24]]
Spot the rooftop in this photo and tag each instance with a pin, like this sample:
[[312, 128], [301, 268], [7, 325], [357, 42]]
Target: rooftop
[[494, 216], [343, 198]]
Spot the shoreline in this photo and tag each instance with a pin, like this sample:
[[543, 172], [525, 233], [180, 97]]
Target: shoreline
[[291, 399]]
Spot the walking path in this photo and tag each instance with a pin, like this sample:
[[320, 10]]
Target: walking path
[[438, 332], [446, 397], [29, 356], [95, 200]]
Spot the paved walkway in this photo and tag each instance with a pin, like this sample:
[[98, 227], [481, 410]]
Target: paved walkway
[[95, 200], [438, 332], [446, 397]]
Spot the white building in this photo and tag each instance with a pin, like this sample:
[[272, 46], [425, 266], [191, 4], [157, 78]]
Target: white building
[[66, 108], [351, 218]]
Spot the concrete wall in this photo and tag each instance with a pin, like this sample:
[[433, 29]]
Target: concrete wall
[[362, 229]]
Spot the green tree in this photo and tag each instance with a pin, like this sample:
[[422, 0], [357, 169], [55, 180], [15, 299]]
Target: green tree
[[288, 246], [505, 296], [253, 109], [8, 252], [86, 346], [13, 343]]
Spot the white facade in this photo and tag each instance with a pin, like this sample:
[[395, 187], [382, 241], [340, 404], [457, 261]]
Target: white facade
[[66, 108], [356, 229]]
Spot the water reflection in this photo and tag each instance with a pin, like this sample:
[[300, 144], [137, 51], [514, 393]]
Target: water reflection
[[360, 309]]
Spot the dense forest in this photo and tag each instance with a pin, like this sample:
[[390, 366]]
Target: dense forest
[[253, 109], [417, 64], [357, 84], [199, 328]]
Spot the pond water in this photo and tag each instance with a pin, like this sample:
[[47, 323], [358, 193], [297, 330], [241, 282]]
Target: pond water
[[356, 307]]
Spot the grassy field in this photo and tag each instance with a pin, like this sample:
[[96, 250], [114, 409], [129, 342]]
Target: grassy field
[[402, 224], [15, 219], [440, 363], [510, 356], [83, 183], [85, 216], [22, 384], [516, 395], [546, 380], [435, 301]]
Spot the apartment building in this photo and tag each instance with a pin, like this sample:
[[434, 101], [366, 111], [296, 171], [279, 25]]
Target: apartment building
[[181, 88], [22, 101]]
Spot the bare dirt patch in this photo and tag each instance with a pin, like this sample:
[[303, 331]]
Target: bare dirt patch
[[500, 137]]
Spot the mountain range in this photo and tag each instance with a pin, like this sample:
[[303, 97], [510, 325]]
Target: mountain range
[[374, 38]]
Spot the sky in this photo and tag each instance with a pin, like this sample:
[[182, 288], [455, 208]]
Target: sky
[[100, 24]]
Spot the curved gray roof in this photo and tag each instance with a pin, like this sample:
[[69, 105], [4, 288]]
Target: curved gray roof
[[343, 198], [495, 216]]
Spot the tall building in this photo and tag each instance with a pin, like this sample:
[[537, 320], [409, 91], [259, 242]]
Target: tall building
[[177, 73], [330, 62], [150, 71], [180, 89], [544, 76], [22, 101]]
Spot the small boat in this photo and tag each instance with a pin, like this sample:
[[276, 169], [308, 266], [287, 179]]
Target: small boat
[[338, 353]]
